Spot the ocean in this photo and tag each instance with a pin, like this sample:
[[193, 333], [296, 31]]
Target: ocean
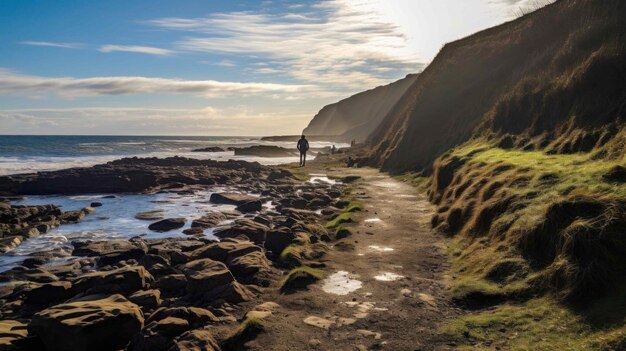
[[116, 218], [28, 153]]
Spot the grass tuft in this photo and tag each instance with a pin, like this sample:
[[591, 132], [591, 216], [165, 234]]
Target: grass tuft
[[299, 278], [247, 330], [346, 217]]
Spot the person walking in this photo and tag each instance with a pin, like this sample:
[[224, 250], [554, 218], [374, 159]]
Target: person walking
[[303, 147]]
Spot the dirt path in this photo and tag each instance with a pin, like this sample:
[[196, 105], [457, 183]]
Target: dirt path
[[392, 237]]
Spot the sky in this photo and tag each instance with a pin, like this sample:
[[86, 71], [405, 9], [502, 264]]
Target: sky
[[198, 67]]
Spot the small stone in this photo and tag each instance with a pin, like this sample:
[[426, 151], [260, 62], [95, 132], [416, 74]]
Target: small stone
[[318, 322]]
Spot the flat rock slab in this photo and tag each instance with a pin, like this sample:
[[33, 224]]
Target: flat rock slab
[[150, 215], [231, 198], [10, 331], [110, 251], [168, 224], [96, 325], [318, 322], [213, 280], [125, 280]]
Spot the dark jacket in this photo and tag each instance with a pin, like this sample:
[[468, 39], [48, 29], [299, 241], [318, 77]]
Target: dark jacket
[[303, 145]]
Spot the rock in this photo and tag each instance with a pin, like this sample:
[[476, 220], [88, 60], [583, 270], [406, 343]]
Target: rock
[[225, 250], [265, 151], [252, 230], [213, 280], [170, 326], [167, 224], [124, 280], [72, 216], [171, 284], [318, 322], [69, 269], [279, 174], [146, 298], [97, 325], [195, 316], [249, 264], [150, 260], [263, 310], [231, 198], [49, 293], [194, 231], [195, 340], [209, 220], [250, 206], [38, 275], [277, 240], [11, 331], [111, 251], [428, 299], [150, 215], [367, 333], [95, 204], [350, 179], [33, 262], [209, 149], [8, 244], [131, 175]]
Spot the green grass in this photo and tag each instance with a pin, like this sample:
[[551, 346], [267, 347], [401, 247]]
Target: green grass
[[247, 330], [297, 275], [536, 180], [354, 206], [346, 217], [579, 171], [347, 190], [417, 180], [342, 232], [290, 252], [537, 325]]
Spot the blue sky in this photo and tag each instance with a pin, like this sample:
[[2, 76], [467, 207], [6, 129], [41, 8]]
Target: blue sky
[[212, 67]]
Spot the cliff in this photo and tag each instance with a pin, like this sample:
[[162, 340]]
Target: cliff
[[552, 80], [357, 116]]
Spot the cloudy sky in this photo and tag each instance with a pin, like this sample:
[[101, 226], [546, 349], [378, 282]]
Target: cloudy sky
[[197, 67]]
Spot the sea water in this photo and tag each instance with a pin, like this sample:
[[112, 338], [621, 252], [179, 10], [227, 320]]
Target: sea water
[[116, 218], [27, 153]]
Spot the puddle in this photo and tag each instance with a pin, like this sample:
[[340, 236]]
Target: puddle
[[341, 283], [380, 248], [370, 220], [388, 277], [321, 178]]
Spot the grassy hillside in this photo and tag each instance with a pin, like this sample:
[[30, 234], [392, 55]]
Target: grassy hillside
[[357, 116], [521, 130], [552, 80], [540, 236]]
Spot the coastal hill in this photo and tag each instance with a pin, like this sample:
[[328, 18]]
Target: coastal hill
[[554, 79], [517, 133], [357, 116]]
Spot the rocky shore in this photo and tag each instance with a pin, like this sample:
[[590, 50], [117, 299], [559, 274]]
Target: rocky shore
[[180, 293]]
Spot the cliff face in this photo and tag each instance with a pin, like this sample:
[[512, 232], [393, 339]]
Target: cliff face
[[357, 116], [552, 80]]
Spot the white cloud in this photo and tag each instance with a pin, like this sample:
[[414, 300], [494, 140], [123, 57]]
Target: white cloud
[[347, 44], [51, 44], [236, 120], [223, 63], [12, 83], [137, 49]]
